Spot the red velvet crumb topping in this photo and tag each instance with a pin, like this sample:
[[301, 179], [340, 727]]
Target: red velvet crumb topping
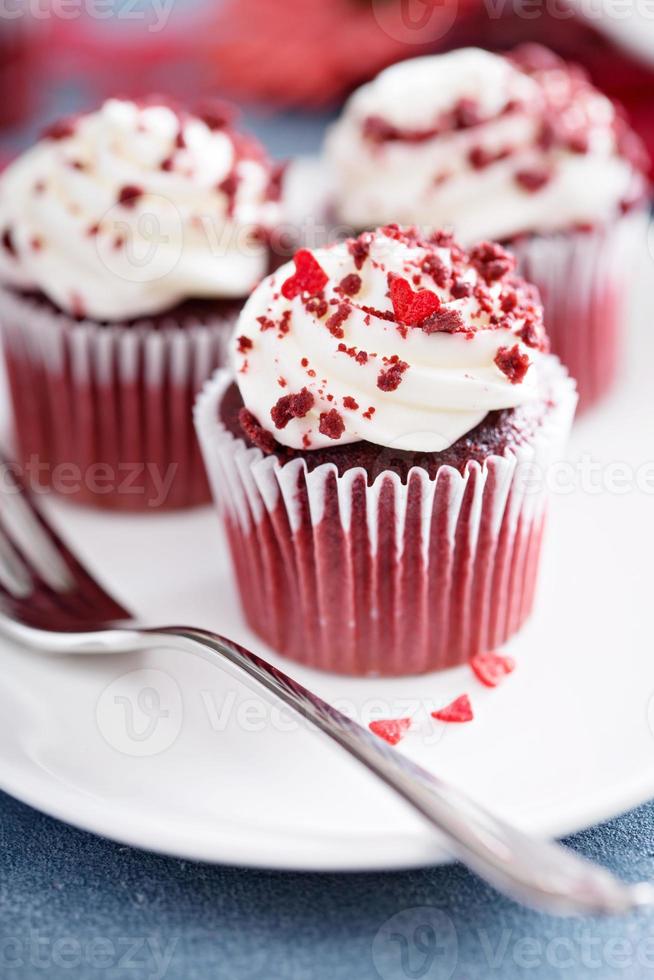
[[445, 320], [61, 129], [459, 710], [533, 180], [392, 730], [335, 322], [309, 276], [291, 407], [491, 261], [391, 378], [350, 285], [359, 248], [331, 424], [129, 195], [513, 363], [244, 344]]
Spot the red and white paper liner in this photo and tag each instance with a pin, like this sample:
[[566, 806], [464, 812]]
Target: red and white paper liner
[[387, 579], [585, 279], [103, 414]]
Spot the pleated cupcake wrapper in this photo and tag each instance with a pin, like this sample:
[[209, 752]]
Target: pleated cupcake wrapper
[[387, 579], [585, 280], [103, 414]]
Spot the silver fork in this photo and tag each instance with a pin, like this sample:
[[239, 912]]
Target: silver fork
[[51, 603]]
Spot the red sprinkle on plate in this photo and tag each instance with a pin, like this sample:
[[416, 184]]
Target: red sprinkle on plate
[[458, 711], [491, 668], [392, 730]]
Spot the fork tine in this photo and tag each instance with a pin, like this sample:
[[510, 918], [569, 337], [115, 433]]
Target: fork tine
[[59, 580]]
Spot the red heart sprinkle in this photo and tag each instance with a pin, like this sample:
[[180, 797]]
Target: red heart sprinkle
[[491, 668], [309, 276], [391, 729], [409, 307], [459, 710]]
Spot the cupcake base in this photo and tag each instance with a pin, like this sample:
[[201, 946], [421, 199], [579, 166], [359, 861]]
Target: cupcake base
[[388, 577], [584, 279], [103, 413]]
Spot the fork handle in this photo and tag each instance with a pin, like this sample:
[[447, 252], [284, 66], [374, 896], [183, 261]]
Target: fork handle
[[543, 874]]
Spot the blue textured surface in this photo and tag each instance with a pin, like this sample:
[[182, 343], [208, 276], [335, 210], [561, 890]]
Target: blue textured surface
[[72, 905]]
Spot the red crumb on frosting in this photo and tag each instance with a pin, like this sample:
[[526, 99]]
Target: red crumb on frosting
[[129, 195], [491, 261], [309, 276], [62, 129], [331, 424], [244, 344], [350, 285], [513, 363], [359, 248], [8, 242], [335, 322], [491, 668], [256, 433], [350, 402], [291, 407], [433, 265], [458, 711], [392, 730], [409, 307], [533, 180], [391, 378], [445, 320]]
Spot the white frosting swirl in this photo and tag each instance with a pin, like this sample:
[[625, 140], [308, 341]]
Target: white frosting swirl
[[132, 209], [432, 171], [340, 346]]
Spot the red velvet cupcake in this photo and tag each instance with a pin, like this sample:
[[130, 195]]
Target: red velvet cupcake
[[130, 239], [379, 454], [519, 149]]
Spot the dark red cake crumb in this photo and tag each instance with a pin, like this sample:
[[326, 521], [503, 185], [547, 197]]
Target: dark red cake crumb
[[335, 322], [409, 307], [359, 248], [467, 113], [291, 407], [244, 344], [533, 180], [8, 242], [392, 730], [391, 378], [331, 424], [215, 113], [460, 289], [492, 668], [257, 435], [459, 710], [129, 195], [513, 363], [445, 320], [317, 305], [491, 261], [265, 323], [309, 276], [62, 129], [350, 285], [433, 266], [350, 402]]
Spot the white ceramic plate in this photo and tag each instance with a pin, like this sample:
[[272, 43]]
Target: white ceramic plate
[[166, 753]]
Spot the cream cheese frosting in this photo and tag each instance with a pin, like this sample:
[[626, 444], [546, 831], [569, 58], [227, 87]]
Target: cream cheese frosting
[[129, 210], [486, 145], [403, 341]]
